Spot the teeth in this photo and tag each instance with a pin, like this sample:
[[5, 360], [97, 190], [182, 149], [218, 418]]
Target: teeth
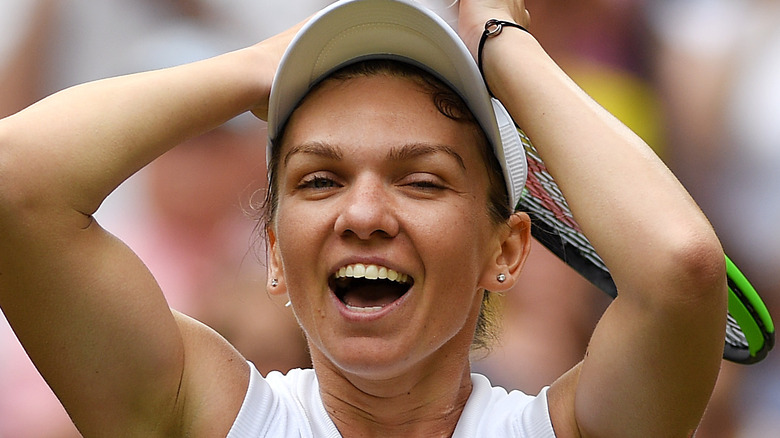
[[364, 309], [371, 272]]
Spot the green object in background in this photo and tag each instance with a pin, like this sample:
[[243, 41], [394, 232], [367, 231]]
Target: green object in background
[[748, 312]]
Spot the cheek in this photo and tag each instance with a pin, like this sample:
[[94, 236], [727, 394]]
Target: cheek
[[294, 239], [453, 274], [302, 234], [456, 251], [463, 232]]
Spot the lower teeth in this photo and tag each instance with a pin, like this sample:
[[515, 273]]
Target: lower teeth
[[364, 309]]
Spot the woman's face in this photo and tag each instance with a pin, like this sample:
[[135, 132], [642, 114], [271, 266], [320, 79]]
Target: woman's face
[[382, 237]]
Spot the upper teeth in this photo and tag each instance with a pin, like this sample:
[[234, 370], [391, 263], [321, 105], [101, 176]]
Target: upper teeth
[[371, 272]]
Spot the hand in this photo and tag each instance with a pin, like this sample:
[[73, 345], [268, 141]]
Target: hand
[[272, 50], [473, 14]]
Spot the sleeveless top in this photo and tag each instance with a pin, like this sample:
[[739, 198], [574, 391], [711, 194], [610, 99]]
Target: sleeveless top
[[289, 405]]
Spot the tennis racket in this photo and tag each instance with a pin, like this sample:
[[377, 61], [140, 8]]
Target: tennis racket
[[750, 333]]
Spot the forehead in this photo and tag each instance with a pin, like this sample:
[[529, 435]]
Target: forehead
[[378, 109]]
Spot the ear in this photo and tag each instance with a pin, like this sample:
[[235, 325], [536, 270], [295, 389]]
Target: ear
[[275, 280], [515, 245]]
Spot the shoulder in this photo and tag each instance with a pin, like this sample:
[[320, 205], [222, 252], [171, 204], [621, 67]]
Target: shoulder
[[214, 380]]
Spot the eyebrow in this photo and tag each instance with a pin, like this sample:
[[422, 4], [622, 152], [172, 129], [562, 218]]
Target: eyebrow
[[405, 152], [417, 150], [324, 150]]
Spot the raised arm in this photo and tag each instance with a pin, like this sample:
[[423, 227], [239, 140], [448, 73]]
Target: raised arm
[[89, 314], [655, 354]]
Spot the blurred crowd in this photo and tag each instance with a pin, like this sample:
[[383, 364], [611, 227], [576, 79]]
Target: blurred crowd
[[695, 78]]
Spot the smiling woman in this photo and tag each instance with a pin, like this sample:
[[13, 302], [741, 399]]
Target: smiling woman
[[390, 214], [397, 195], [431, 93]]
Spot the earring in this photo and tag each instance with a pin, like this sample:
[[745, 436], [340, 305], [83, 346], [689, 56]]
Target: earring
[[274, 282], [501, 277]]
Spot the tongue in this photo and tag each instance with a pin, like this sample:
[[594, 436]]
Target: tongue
[[371, 294]]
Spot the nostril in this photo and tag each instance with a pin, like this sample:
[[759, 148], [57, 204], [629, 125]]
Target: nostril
[[363, 236], [367, 216]]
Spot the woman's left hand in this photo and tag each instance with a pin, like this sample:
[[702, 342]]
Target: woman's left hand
[[473, 14]]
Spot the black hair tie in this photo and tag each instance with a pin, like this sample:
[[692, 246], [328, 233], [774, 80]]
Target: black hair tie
[[493, 28]]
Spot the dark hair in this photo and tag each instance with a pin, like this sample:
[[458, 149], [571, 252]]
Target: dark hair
[[450, 105]]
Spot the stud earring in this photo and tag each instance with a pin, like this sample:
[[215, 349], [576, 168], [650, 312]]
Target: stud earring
[[501, 277], [274, 282]]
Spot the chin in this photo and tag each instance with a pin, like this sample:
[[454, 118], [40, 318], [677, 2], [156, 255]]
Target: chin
[[371, 359]]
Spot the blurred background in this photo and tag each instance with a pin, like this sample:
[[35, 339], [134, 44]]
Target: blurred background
[[697, 79]]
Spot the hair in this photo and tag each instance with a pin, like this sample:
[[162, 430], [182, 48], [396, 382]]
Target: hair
[[451, 105]]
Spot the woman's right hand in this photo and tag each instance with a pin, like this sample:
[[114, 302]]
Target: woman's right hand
[[272, 50]]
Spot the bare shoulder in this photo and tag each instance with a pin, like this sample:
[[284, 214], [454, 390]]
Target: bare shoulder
[[214, 381]]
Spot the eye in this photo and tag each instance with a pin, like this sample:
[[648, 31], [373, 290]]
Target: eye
[[318, 182], [424, 182], [426, 185]]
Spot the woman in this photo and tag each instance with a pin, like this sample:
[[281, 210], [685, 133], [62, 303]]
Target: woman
[[387, 224]]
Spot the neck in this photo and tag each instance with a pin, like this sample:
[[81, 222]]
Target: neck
[[427, 403]]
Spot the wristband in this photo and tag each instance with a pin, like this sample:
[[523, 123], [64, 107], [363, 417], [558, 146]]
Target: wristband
[[493, 28]]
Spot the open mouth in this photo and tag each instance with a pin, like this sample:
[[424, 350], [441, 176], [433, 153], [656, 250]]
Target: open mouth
[[369, 288]]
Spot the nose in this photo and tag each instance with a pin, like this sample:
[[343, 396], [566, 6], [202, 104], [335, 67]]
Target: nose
[[367, 211]]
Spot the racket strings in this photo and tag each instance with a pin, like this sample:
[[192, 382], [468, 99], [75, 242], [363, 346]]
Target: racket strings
[[542, 199], [556, 228], [734, 334]]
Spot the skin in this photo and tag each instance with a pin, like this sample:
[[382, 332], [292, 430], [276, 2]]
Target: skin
[[400, 210], [679, 283], [95, 323]]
